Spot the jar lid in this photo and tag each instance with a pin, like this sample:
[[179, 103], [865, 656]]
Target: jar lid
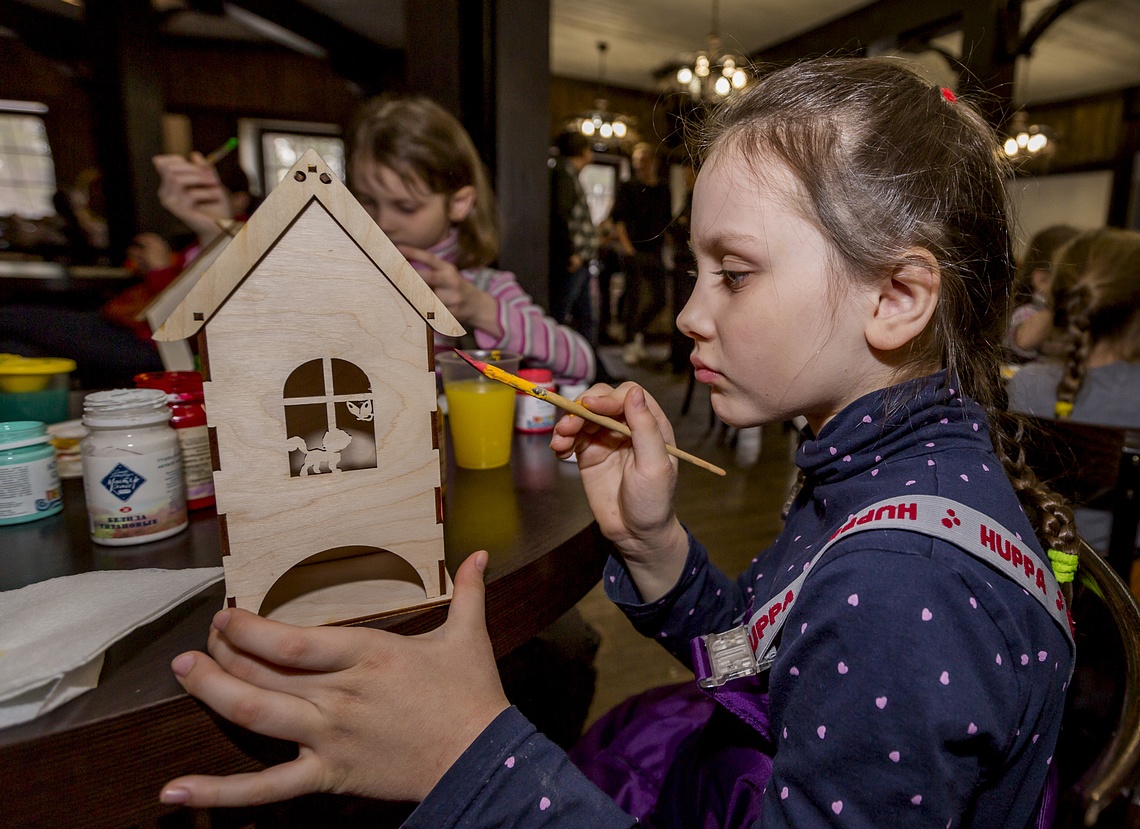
[[178, 385], [125, 407], [17, 433], [537, 375], [26, 374], [15, 364]]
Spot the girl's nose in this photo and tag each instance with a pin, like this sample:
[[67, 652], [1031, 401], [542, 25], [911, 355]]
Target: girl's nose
[[694, 320]]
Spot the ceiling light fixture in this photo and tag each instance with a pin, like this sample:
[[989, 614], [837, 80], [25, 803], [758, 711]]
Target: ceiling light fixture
[[1026, 140], [601, 126], [711, 74]]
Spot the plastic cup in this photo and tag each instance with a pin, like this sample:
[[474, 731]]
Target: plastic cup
[[480, 411], [34, 388]]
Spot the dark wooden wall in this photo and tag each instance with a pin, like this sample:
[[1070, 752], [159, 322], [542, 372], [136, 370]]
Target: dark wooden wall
[[26, 75]]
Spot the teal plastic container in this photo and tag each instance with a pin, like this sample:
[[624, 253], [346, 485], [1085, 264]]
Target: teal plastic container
[[34, 388], [29, 483]]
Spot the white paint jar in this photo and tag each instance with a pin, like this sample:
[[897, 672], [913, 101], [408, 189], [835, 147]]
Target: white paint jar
[[132, 468], [571, 391]]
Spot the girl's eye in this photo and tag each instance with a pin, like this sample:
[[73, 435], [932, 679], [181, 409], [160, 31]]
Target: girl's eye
[[407, 208], [733, 278]]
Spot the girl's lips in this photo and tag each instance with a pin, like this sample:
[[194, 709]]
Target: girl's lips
[[704, 374]]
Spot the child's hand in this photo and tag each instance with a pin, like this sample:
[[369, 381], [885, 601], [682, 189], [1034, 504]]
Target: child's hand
[[191, 190], [148, 252], [630, 483], [375, 714], [472, 307]]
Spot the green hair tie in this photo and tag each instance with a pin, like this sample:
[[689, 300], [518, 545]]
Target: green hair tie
[[1062, 410], [1064, 565]]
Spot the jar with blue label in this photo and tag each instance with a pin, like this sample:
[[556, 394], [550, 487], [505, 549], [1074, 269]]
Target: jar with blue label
[[132, 468], [29, 482]]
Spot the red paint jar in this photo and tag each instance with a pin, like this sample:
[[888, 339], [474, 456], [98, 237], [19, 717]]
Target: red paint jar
[[531, 414], [188, 417]]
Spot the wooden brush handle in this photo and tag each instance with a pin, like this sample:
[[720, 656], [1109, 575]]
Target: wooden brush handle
[[616, 425]]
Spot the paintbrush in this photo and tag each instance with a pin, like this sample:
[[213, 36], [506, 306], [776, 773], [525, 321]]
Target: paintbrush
[[222, 151], [535, 390]]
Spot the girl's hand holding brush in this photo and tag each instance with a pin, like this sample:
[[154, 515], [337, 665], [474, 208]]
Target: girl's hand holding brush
[[630, 482]]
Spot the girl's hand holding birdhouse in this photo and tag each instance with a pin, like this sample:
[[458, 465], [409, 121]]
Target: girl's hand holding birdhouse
[[374, 713], [630, 483], [472, 307]]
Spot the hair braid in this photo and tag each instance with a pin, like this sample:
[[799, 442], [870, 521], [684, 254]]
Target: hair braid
[[1078, 345]]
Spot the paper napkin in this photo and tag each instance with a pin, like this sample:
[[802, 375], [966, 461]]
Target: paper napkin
[[53, 634]]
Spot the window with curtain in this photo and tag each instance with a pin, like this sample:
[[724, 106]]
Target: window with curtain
[[27, 172]]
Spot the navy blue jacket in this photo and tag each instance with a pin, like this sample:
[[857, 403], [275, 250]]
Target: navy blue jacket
[[914, 685]]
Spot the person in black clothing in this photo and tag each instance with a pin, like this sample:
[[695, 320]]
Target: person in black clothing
[[573, 238], [642, 212]]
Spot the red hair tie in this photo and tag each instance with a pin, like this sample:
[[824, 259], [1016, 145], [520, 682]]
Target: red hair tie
[[949, 95]]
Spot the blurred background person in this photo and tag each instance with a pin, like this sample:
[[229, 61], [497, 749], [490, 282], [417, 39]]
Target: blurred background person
[[573, 239], [1031, 322], [641, 214], [1096, 302]]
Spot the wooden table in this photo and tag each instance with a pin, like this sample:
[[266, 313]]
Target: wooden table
[[100, 760]]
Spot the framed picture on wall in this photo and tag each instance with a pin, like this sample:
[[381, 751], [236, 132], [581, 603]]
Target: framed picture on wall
[[268, 149]]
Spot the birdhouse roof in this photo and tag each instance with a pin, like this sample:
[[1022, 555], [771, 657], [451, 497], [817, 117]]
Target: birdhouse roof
[[309, 180]]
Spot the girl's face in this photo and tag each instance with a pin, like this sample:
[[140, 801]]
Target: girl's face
[[777, 333], [409, 213]]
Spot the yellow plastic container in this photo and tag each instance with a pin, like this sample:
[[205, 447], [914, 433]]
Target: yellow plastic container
[[34, 388]]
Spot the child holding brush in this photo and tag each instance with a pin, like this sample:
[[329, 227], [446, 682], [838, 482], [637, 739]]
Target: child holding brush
[[417, 173], [850, 233], [199, 195]]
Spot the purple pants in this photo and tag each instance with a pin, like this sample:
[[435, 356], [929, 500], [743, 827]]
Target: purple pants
[[676, 759], [673, 757]]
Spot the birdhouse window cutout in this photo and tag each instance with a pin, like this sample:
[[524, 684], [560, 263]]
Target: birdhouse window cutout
[[330, 418]]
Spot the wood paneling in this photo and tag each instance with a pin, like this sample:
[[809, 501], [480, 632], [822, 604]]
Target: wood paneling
[[250, 81]]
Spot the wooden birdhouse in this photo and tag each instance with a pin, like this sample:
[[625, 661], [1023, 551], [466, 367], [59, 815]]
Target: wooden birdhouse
[[316, 343]]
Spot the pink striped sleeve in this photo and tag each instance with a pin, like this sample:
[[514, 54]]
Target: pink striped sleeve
[[529, 331]]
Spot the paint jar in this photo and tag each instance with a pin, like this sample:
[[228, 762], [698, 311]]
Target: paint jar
[[571, 391], [531, 414], [29, 483], [34, 388], [132, 468], [188, 417]]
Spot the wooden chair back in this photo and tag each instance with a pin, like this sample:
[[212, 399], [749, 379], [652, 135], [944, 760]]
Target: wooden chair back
[[1111, 781], [1096, 467]]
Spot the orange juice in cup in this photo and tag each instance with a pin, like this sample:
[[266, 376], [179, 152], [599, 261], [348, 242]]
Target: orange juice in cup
[[480, 411]]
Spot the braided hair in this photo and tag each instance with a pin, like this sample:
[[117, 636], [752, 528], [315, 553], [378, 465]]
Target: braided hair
[[1096, 300]]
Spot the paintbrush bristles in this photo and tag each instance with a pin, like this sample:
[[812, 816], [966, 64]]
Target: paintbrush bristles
[[573, 407]]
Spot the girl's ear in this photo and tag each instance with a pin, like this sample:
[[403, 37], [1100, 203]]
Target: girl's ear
[[460, 204], [904, 302]]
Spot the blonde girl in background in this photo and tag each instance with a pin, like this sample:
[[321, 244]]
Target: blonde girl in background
[[417, 173], [1096, 377], [853, 257], [1031, 321]]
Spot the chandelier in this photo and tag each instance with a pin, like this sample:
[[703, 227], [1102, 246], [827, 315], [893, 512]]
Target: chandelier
[[603, 127], [711, 74], [1027, 141]]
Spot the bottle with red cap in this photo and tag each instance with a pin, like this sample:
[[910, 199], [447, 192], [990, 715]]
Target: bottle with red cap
[[188, 417], [531, 414]]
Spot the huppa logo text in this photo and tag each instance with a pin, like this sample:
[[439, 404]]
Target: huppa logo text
[[890, 512], [760, 621]]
